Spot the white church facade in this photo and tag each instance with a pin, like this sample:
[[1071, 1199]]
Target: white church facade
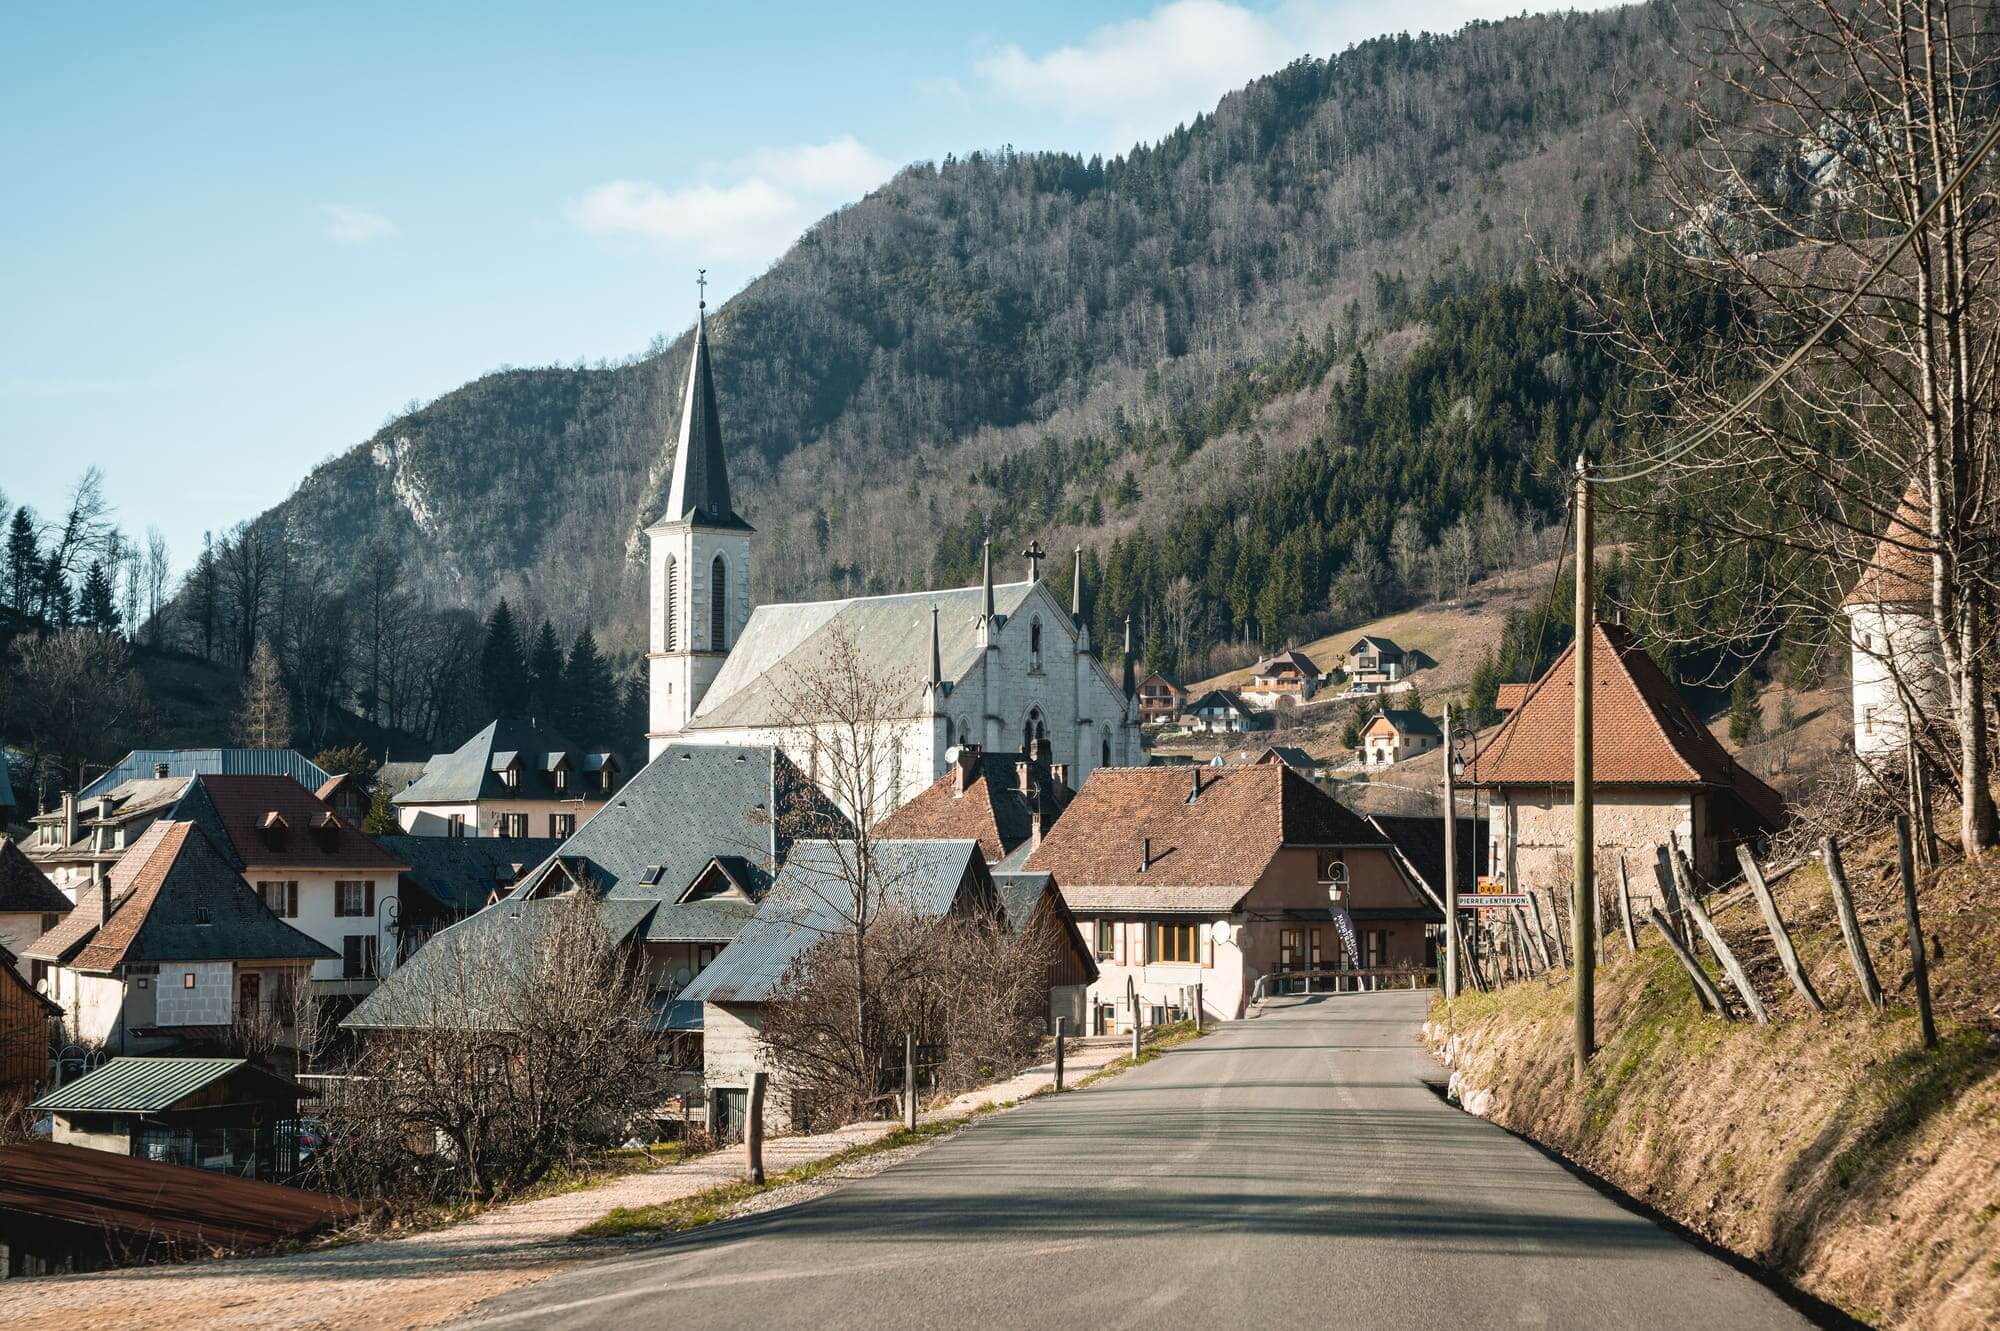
[[1003, 666]]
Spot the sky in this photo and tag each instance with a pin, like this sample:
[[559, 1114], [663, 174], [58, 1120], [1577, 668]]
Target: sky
[[236, 240]]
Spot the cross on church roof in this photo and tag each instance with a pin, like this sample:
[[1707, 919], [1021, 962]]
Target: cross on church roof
[[1035, 555], [701, 287]]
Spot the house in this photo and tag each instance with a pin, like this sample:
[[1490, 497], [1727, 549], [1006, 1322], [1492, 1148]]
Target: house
[[1375, 662], [449, 878], [514, 779], [1396, 733], [345, 795], [1004, 801], [969, 665], [224, 1114], [1288, 678], [1291, 755], [27, 1020], [811, 900], [30, 905], [65, 1208], [1897, 666], [159, 764], [1218, 876], [1161, 698], [1657, 770], [174, 947], [677, 863], [1221, 712], [1030, 903], [316, 871], [76, 843]]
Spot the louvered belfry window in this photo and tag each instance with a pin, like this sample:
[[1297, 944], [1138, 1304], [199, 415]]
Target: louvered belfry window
[[673, 601], [718, 605]]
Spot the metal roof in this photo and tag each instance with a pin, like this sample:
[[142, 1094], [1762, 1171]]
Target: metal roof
[[142, 1085], [209, 762]]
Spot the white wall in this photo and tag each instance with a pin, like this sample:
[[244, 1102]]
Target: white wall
[[317, 921], [483, 818], [1888, 643]]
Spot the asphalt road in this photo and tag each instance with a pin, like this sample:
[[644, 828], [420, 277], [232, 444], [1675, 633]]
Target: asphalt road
[[1288, 1171]]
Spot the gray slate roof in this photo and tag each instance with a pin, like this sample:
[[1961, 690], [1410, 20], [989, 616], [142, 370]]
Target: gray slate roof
[[461, 873], [471, 772], [24, 888], [700, 490], [209, 762], [146, 1085], [1019, 894], [783, 644], [813, 897]]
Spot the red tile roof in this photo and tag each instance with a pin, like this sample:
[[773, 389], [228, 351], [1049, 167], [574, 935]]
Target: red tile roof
[[991, 810], [1900, 571], [1643, 732], [80, 925], [242, 804]]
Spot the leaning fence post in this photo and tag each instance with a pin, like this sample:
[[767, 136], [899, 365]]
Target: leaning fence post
[[910, 1080], [1704, 988], [1850, 927], [1135, 1028], [753, 1129], [1920, 969], [1730, 965], [1625, 907], [1197, 1007], [1776, 924], [1061, 1022]]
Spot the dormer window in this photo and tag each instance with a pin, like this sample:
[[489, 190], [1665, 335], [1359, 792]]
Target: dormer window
[[510, 777], [560, 778], [272, 828]]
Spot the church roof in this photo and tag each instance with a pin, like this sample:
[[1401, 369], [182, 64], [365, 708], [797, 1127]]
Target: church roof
[[783, 645], [700, 492]]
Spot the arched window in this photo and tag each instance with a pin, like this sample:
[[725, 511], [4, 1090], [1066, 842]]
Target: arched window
[[964, 730], [1107, 751], [673, 606], [718, 605], [1035, 643], [1033, 730]]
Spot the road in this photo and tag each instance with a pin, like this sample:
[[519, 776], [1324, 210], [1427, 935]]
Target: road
[[1292, 1170]]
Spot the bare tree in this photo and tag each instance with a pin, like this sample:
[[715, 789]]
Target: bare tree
[[83, 533], [1828, 132], [264, 718], [77, 697], [158, 574]]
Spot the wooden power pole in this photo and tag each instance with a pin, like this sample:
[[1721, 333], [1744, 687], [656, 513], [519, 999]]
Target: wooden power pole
[[1450, 866], [1581, 913]]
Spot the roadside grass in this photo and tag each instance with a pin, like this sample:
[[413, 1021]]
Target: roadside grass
[[1170, 1035]]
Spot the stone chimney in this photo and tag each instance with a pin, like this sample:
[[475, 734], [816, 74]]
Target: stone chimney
[[966, 768], [103, 902], [1145, 853], [159, 771], [69, 817]]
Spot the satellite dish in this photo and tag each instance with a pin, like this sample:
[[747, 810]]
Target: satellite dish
[[681, 977], [1219, 932]]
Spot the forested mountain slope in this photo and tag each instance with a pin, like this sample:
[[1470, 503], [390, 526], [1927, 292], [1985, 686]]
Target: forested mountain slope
[[1054, 345]]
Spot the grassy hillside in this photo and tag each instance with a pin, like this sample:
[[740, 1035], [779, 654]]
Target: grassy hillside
[[1830, 1148]]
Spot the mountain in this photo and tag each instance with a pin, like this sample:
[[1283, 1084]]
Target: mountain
[[1043, 320]]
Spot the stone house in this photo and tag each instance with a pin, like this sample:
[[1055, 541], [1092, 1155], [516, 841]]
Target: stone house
[[1658, 773], [1181, 876]]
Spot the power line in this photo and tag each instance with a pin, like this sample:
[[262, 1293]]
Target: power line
[[1714, 426]]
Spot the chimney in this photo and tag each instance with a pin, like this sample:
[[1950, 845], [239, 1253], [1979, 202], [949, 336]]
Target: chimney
[[159, 771], [1024, 774], [69, 817], [1197, 784], [1145, 853], [103, 903], [1034, 826], [967, 767], [1059, 773]]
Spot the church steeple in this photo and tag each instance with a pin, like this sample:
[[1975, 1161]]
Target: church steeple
[[700, 490]]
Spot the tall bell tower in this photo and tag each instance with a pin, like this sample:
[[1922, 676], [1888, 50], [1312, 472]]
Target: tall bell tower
[[700, 557]]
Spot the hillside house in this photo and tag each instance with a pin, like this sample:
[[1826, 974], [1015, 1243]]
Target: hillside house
[[1897, 666], [1221, 712], [221, 1114], [1374, 662], [513, 779], [30, 905], [1659, 773], [1216, 876], [1161, 698], [1286, 679], [1291, 755], [173, 948], [1396, 733]]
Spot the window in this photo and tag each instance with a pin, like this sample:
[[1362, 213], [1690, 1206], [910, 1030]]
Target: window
[[511, 824], [357, 957], [187, 979], [562, 824], [201, 915], [1106, 939], [1033, 730], [50, 921], [703, 955], [455, 825], [510, 777], [672, 607], [604, 780], [560, 778], [1868, 720], [354, 897], [1176, 943], [1035, 643], [1107, 751], [282, 898], [718, 605]]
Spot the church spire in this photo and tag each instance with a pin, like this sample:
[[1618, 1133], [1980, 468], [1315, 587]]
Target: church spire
[[1131, 679], [1076, 589], [700, 490], [986, 603], [937, 657]]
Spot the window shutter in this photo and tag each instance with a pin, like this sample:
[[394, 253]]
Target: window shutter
[[1118, 942], [368, 889], [292, 900], [1207, 946]]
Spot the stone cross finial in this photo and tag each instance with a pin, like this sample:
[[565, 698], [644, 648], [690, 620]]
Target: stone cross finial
[[1035, 555]]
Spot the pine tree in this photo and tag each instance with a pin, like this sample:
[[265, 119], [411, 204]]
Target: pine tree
[[24, 561], [503, 664], [97, 608], [590, 695], [545, 676], [1746, 720], [264, 719]]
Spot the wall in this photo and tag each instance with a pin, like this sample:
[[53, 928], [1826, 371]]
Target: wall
[[317, 921], [17, 930], [1628, 825], [483, 818], [212, 1000], [677, 681], [117, 1140], [1887, 643]]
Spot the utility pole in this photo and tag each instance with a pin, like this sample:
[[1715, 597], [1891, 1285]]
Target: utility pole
[[1581, 912], [1450, 863]]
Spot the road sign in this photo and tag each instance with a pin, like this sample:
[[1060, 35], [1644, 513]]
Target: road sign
[[1491, 894]]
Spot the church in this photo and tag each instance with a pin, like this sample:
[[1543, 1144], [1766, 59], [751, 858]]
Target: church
[[1004, 666]]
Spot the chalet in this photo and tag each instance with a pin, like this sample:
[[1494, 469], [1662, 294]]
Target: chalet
[[930, 879], [27, 1021], [1396, 733], [316, 871], [1373, 663], [1221, 712], [1005, 801], [224, 1114], [76, 843], [513, 779], [1289, 677], [1218, 876], [1161, 698], [172, 948], [30, 905], [1659, 773], [1897, 667]]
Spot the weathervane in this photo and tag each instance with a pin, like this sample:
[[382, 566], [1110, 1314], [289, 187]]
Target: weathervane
[[701, 286], [1035, 555]]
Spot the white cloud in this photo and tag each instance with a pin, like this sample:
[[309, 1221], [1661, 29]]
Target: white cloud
[[780, 192], [345, 225]]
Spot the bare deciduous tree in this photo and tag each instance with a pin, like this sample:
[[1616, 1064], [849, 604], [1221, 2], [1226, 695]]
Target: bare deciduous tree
[[77, 697]]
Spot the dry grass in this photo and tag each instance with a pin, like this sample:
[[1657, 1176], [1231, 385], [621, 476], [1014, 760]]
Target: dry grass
[[1831, 1148]]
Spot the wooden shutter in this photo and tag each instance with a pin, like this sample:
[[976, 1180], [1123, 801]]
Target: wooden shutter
[[292, 900], [368, 898], [1207, 946], [1118, 942]]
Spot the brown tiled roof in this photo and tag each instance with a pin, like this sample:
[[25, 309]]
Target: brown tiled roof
[[80, 925], [1511, 696], [233, 809], [23, 886], [1222, 839], [1900, 570], [1643, 732], [991, 810]]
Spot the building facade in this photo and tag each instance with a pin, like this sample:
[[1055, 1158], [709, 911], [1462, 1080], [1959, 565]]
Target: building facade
[[515, 778], [1897, 665]]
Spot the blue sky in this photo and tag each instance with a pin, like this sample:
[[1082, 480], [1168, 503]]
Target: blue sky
[[237, 240]]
